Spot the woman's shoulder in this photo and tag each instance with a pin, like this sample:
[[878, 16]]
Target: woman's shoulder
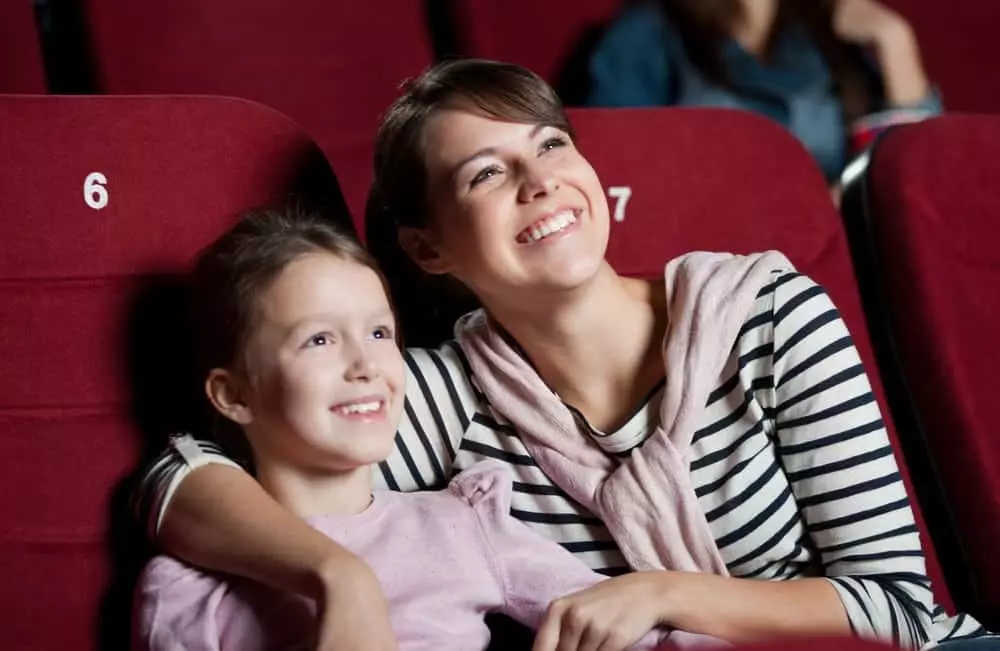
[[446, 363]]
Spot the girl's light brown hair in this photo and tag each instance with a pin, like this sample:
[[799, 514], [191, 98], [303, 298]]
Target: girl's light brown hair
[[399, 193], [240, 265]]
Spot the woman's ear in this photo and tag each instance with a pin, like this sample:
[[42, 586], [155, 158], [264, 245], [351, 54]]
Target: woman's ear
[[424, 253], [224, 391]]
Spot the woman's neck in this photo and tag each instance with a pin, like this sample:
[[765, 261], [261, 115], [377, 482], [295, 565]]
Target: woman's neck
[[753, 30], [309, 493], [598, 346]]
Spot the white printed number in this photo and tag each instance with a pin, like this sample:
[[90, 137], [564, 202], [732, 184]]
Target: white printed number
[[621, 194], [94, 192]]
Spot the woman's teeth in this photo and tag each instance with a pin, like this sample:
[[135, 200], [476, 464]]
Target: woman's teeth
[[550, 226]]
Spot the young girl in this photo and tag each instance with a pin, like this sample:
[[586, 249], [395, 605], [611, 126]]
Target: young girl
[[300, 346], [784, 473]]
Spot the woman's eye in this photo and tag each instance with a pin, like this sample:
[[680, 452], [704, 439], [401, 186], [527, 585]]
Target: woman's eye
[[553, 143], [484, 175], [383, 332], [322, 339]]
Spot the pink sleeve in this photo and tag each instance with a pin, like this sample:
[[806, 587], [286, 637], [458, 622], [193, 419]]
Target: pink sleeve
[[533, 569], [175, 608]]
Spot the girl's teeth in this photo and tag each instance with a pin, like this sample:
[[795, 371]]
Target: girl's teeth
[[361, 408]]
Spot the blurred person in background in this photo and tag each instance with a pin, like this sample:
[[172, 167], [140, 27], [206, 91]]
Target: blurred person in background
[[834, 72]]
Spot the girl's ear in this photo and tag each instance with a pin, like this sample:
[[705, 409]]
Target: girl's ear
[[225, 392], [427, 255]]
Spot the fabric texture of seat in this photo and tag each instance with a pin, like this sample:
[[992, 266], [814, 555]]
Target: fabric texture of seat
[[334, 67], [550, 38], [21, 69], [925, 232], [104, 202]]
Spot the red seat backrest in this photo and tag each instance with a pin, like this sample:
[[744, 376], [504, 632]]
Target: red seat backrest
[[960, 49], [21, 68], [721, 180], [933, 223], [332, 65], [545, 37], [87, 349]]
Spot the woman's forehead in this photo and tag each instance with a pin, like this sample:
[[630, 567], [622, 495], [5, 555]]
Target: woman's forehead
[[453, 134]]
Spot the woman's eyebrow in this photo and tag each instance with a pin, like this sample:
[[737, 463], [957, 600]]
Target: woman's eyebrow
[[492, 151]]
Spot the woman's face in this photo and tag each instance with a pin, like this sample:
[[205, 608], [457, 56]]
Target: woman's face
[[515, 209]]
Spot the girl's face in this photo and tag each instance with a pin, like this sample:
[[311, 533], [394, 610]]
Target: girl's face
[[325, 377], [514, 207]]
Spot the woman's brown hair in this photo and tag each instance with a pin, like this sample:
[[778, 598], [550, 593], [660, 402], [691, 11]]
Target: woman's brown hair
[[706, 25], [398, 197]]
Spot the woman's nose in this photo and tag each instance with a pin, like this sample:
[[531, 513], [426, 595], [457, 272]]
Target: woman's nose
[[537, 181]]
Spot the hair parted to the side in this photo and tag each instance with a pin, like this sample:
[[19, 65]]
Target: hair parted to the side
[[499, 90], [399, 196], [239, 266]]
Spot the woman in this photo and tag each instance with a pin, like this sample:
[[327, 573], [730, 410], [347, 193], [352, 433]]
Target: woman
[[820, 67], [790, 469]]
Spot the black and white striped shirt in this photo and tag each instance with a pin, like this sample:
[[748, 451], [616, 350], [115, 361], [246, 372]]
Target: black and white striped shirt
[[792, 465]]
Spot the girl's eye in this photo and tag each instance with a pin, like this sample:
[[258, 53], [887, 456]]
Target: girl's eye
[[486, 174], [554, 142], [321, 339], [383, 332]]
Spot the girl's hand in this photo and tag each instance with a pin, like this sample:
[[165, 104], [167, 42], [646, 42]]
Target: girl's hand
[[610, 616], [869, 23]]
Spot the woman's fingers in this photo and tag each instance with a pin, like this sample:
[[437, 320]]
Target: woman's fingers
[[547, 636]]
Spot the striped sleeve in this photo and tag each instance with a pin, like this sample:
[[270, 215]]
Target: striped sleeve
[[835, 450], [440, 404], [160, 479]]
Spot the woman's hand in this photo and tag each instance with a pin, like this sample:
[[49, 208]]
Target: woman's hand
[[868, 22], [610, 616], [354, 615]]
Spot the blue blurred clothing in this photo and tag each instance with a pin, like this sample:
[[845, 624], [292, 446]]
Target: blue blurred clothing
[[641, 61]]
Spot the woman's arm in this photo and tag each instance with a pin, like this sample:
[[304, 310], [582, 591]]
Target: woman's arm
[[872, 24], [217, 517], [835, 453], [221, 518]]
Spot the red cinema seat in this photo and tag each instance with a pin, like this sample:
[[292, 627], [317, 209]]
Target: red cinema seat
[[960, 49], [331, 65], [682, 180], [551, 38], [104, 201], [21, 68], [925, 224]]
